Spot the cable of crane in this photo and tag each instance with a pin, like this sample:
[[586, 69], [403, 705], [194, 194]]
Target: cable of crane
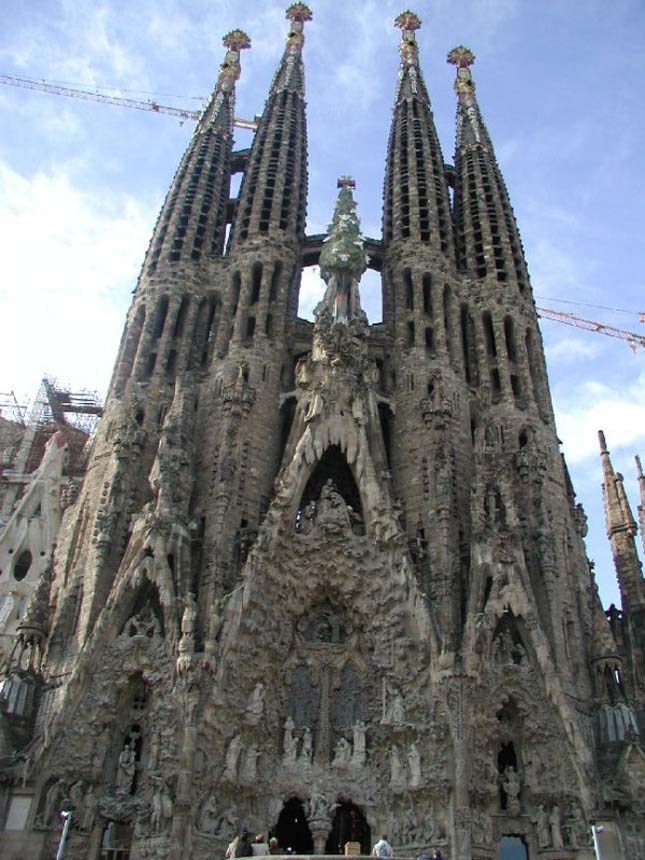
[[120, 101], [639, 314]]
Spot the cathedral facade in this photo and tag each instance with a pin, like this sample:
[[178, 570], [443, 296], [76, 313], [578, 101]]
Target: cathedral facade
[[327, 580]]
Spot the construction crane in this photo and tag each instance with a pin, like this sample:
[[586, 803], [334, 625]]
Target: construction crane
[[120, 101], [632, 339]]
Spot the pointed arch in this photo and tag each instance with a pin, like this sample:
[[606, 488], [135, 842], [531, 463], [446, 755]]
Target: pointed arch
[[144, 614], [332, 466]]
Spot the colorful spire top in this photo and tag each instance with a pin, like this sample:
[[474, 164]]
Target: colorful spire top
[[236, 40], [463, 58], [346, 182], [230, 70], [408, 22], [297, 13]]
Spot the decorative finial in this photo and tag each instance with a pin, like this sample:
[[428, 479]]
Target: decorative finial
[[297, 13], [346, 182], [463, 58], [236, 40], [407, 21]]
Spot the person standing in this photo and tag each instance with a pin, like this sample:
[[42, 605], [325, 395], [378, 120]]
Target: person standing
[[260, 848], [382, 848]]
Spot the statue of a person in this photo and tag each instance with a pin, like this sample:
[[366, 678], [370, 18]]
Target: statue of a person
[[306, 749], [317, 807], [289, 742], [189, 616], [342, 753], [556, 828], [255, 708], [542, 827], [162, 805], [232, 758], [396, 768], [125, 769], [249, 770], [359, 755], [511, 785], [396, 712], [414, 762], [208, 818]]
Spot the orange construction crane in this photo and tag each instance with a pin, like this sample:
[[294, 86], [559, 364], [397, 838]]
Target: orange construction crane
[[120, 101], [632, 339]]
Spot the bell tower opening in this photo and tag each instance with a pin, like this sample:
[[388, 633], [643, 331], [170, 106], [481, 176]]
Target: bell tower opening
[[292, 830], [349, 825]]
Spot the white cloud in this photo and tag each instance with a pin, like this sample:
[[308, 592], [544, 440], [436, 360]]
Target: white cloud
[[69, 262], [311, 291], [569, 349], [595, 406]]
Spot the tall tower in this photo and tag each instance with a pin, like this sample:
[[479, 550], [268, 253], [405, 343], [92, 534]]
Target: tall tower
[[328, 581]]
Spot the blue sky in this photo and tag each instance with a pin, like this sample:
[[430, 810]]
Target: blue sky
[[559, 84]]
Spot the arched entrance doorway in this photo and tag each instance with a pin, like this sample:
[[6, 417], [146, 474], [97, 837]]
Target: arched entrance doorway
[[292, 830], [349, 825], [512, 848]]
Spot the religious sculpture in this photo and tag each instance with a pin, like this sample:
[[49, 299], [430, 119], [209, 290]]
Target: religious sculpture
[[359, 755], [542, 827], [306, 749], [556, 827], [289, 742], [396, 768], [342, 753], [511, 786], [255, 708], [232, 758], [414, 762], [125, 769]]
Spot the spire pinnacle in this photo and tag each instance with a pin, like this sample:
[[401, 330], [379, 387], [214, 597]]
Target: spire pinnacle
[[229, 71], [463, 58], [298, 14], [408, 22], [641, 507], [618, 514]]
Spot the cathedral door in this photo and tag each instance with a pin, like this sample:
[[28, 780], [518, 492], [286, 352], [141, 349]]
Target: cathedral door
[[349, 825], [292, 830]]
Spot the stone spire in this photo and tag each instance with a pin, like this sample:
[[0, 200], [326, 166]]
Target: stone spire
[[488, 241], [273, 194], [621, 530], [641, 507], [192, 221], [417, 203], [343, 259]]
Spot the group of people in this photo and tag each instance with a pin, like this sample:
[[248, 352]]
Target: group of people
[[242, 846], [383, 849]]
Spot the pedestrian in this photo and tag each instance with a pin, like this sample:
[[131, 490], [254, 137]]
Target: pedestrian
[[274, 847], [232, 848], [382, 847], [244, 845], [437, 855], [260, 847]]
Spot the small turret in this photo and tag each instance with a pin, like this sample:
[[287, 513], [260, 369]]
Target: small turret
[[621, 530], [641, 507]]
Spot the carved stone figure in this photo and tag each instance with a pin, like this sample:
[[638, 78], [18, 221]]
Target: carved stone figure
[[232, 758], [289, 742], [125, 770], [511, 785], [414, 762], [342, 753], [162, 805], [359, 755], [395, 710], [255, 708], [396, 768], [556, 827], [208, 816], [317, 806], [249, 770], [306, 749], [542, 827]]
